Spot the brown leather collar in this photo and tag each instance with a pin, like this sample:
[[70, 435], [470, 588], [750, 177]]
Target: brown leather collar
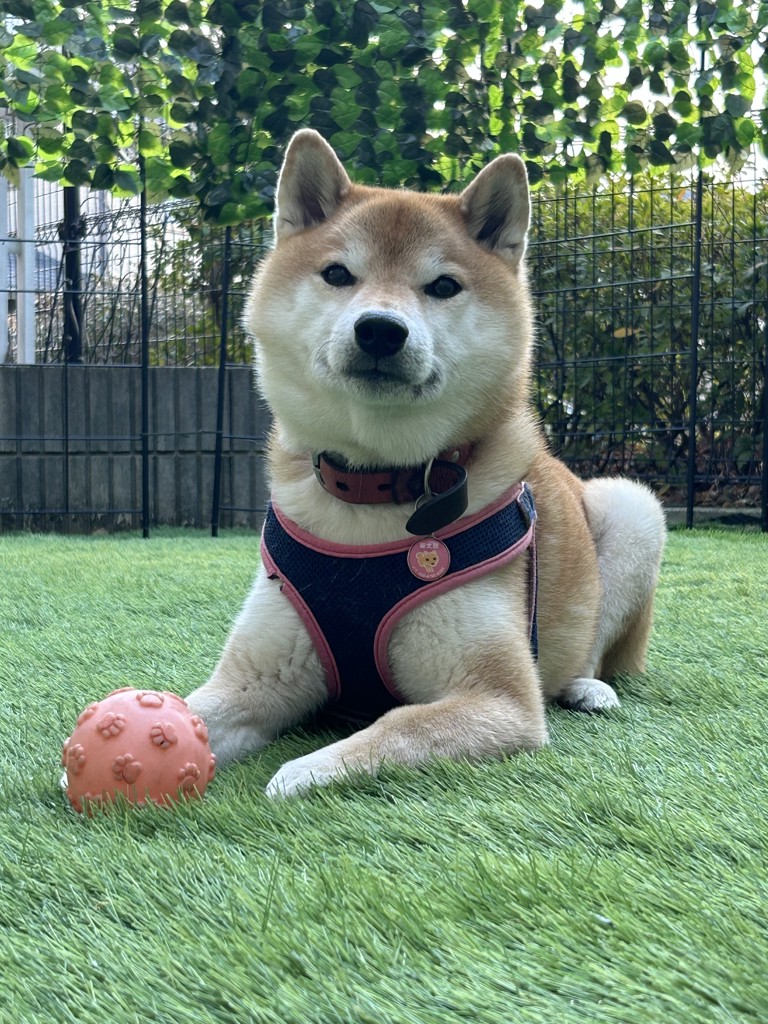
[[399, 486]]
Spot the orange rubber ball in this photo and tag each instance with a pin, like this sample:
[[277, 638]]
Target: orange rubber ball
[[144, 744]]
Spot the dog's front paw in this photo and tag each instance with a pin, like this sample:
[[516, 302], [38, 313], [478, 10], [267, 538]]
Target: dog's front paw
[[588, 695], [315, 769]]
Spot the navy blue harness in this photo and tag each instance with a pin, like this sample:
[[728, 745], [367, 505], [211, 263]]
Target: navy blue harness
[[351, 598]]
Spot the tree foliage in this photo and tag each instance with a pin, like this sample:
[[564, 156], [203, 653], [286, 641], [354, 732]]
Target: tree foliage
[[206, 92]]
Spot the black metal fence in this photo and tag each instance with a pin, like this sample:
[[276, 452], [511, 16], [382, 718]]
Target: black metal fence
[[653, 305], [101, 239], [652, 347]]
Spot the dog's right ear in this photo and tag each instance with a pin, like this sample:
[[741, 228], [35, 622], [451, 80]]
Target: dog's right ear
[[312, 184]]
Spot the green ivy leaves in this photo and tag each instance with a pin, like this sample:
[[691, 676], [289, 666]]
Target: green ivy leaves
[[208, 91]]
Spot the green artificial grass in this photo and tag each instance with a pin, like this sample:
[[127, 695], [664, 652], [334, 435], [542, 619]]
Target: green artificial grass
[[617, 876]]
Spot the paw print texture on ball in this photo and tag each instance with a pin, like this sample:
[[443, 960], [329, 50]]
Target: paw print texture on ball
[[126, 768], [87, 713], [188, 777], [111, 725], [73, 758], [201, 729], [163, 735], [150, 698], [144, 745]]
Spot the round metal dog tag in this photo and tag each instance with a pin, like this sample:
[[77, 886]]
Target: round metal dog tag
[[429, 559]]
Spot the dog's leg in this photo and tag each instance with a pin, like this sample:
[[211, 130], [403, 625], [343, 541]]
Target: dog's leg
[[268, 678], [628, 526], [479, 722]]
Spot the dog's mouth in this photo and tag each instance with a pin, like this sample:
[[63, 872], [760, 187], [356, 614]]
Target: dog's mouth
[[389, 383], [407, 376]]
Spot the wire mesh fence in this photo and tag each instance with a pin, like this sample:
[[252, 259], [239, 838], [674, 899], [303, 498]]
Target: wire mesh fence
[[185, 270], [652, 313], [652, 300]]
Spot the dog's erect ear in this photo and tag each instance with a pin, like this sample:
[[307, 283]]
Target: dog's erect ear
[[498, 208], [312, 184]]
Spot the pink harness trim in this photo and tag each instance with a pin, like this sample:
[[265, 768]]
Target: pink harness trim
[[329, 547], [388, 623], [427, 592], [316, 634]]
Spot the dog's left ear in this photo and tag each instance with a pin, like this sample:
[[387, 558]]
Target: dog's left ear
[[312, 184], [498, 207]]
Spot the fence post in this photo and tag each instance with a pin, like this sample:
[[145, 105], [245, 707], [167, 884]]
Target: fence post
[[144, 352], [695, 311], [217, 462], [72, 231], [694, 354]]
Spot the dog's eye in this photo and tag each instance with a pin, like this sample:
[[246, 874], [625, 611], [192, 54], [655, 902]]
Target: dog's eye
[[337, 275], [443, 287]]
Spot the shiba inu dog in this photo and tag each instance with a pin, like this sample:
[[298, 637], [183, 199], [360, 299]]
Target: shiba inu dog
[[394, 336]]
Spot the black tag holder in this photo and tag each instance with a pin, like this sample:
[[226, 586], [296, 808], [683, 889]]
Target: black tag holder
[[435, 511]]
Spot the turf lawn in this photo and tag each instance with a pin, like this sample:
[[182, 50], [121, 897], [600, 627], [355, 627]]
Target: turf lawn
[[619, 875]]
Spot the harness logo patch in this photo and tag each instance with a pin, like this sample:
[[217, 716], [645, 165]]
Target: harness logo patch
[[429, 559]]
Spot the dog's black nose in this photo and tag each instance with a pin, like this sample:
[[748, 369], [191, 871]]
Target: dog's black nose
[[380, 336]]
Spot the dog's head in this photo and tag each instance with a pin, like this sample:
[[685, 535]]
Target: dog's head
[[391, 324]]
